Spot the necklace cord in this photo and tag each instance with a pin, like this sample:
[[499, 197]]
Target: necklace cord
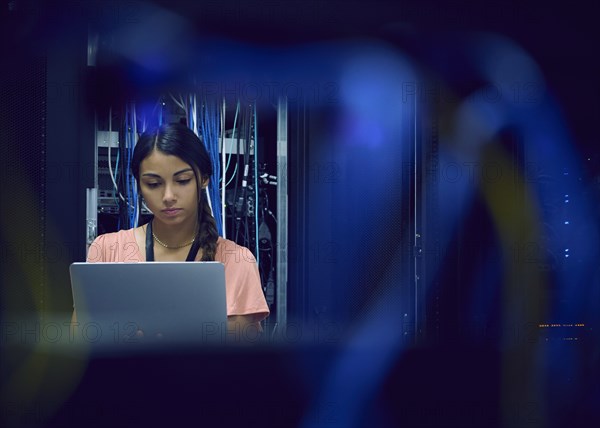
[[150, 238]]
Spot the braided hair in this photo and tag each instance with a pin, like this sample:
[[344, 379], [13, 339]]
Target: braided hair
[[178, 140]]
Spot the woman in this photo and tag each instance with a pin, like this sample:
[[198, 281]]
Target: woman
[[172, 169]]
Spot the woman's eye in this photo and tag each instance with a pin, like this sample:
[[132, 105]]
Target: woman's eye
[[152, 185], [184, 181]]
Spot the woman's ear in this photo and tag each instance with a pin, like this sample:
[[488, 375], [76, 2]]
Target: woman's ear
[[205, 181]]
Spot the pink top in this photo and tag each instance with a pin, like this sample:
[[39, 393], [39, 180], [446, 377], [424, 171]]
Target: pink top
[[242, 281]]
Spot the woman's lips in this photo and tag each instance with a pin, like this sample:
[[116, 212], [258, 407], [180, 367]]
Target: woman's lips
[[170, 212]]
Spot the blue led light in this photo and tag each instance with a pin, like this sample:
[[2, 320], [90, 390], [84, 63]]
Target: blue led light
[[566, 250], [566, 222]]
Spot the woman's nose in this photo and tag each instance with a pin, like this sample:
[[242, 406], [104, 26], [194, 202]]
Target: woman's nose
[[169, 195]]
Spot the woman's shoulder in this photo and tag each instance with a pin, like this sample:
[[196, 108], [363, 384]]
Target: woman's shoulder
[[125, 235], [114, 246], [228, 251]]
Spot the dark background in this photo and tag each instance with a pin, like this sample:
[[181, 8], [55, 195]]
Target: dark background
[[46, 102], [51, 39]]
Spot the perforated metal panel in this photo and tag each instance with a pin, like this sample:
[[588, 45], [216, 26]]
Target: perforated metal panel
[[22, 178]]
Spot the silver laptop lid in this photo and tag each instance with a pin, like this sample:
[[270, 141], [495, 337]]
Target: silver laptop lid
[[120, 305]]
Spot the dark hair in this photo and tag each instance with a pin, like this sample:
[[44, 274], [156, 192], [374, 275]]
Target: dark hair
[[178, 140]]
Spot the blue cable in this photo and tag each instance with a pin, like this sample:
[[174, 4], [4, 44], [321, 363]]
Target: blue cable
[[232, 177], [126, 178], [190, 116], [116, 195], [131, 210], [209, 128], [256, 182], [217, 168], [133, 183], [128, 195]]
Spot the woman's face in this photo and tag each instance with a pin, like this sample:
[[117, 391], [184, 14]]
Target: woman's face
[[169, 188]]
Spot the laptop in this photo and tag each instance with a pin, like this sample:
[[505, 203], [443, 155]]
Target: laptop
[[145, 305]]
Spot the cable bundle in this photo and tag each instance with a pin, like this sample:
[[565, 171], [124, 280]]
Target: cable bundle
[[130, 183], [210, 123]]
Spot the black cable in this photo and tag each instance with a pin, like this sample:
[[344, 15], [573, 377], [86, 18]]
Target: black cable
[[234, 216], [248, 136], [122, 184], [245, 190], [241, 202]]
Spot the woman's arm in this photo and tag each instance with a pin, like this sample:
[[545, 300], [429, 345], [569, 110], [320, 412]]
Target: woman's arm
[[243, 329]]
